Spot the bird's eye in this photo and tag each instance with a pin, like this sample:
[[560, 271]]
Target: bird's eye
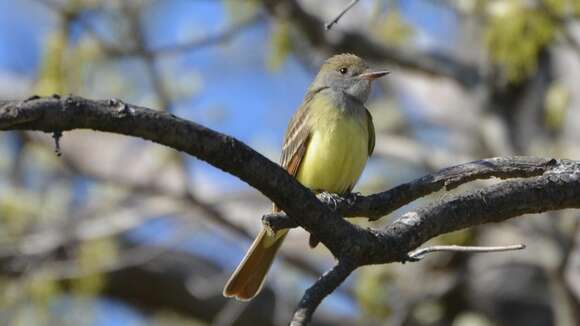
[[343, 70]]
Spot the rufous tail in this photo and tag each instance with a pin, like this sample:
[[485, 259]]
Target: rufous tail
[[248, 278]]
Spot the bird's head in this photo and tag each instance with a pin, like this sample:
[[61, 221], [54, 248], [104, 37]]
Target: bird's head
[[347, 73]]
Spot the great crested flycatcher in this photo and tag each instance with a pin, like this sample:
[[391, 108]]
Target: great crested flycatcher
[[326, 147]]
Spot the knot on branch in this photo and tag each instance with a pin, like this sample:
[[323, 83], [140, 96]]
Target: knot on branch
[[57, 135], [70, 103], [274, 222], [564, 166], [121, 108]]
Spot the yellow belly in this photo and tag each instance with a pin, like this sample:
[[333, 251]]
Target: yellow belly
[[337, 151]]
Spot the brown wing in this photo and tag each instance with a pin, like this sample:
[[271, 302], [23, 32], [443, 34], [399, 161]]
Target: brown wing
[[296, 138], [295, 141]]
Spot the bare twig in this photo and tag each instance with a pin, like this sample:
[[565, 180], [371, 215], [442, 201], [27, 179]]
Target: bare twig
[[420, 253], [334, 277], [226, 34], [127, 258], [325, 285], [329, 25], [421, 61], [219, 37], [142, 49], [222, 36], [57, 135]]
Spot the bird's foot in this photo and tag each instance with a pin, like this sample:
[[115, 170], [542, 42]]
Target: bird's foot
[[351, 198], [331, 199]]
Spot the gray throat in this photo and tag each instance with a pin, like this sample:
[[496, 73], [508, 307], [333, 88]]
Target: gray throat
[[345, 102]]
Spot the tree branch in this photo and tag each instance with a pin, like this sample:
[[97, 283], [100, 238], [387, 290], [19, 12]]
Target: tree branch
[[325, 285], [339, 16], [549, 184], [222, 151], [225, 35], [554, 190], [417, 255], [380, 204]]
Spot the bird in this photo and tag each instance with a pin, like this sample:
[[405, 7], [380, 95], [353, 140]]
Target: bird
[[326, 146]]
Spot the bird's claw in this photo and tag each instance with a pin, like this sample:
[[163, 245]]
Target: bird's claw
[[331, 199], [352, 197]]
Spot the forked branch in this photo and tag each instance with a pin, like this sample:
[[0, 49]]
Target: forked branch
[[547, 184]]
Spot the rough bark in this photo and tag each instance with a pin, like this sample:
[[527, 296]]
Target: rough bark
[[548, 184]]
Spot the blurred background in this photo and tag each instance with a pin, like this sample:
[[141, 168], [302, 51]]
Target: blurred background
[[120, 231]]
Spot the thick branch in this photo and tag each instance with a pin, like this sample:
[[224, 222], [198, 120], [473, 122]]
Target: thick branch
[[222, 151], [551, 184], [378, 205], [558, 189]]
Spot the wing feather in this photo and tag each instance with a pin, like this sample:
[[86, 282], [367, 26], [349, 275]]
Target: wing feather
[[295, 141], [296, 138]]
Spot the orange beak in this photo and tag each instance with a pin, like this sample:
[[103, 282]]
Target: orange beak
[[372, 75]]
